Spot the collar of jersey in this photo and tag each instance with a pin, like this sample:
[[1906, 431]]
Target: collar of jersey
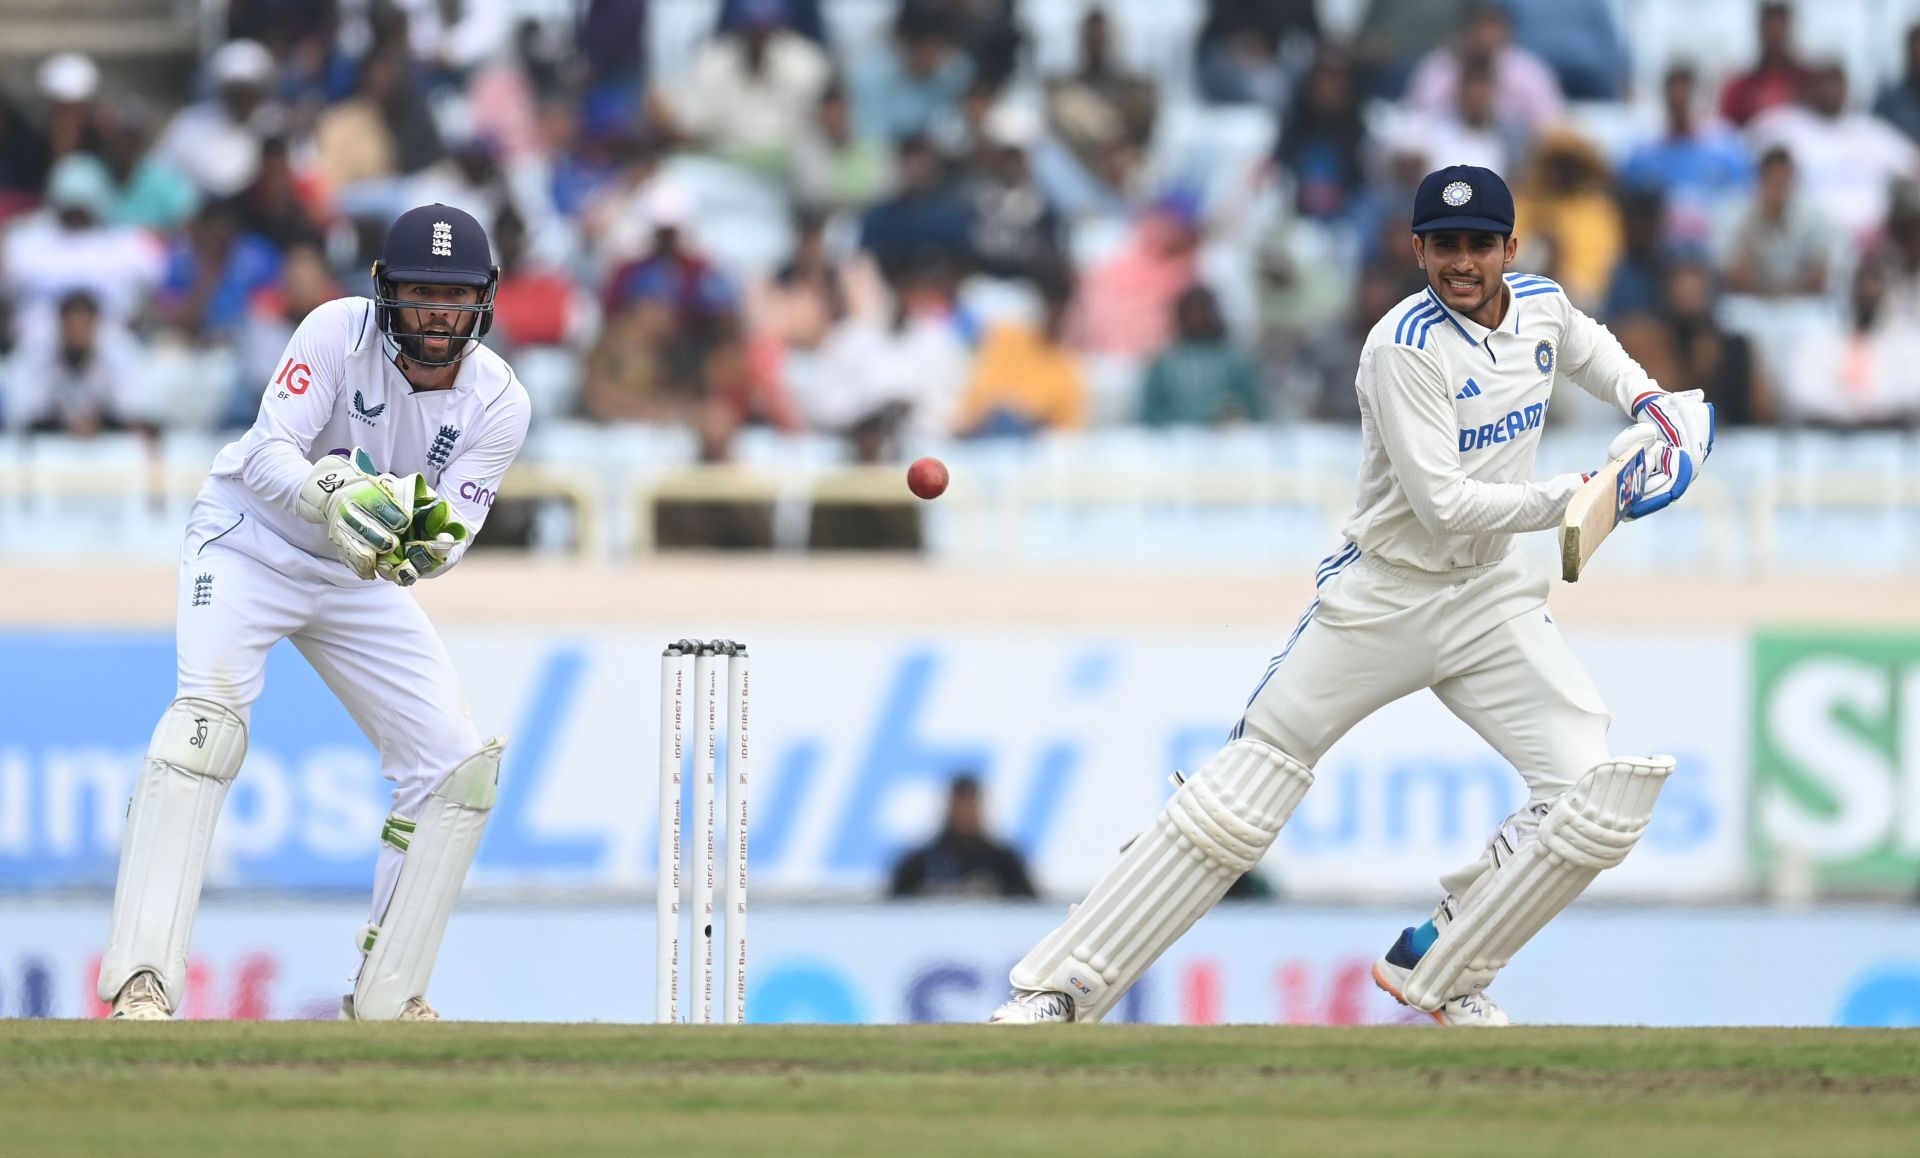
[[1475, 333]]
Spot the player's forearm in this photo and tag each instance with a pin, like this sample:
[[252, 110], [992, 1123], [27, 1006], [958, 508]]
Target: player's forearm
[[1464, 506], [1608, 372], [275, 469]]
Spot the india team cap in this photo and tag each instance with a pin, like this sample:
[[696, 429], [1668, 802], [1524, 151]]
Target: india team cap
[[1463, 197]]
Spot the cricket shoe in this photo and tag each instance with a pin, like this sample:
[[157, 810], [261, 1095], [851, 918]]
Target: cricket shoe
[[1033, 1007], [416, 1009], [1473, 1007], [142, 998]]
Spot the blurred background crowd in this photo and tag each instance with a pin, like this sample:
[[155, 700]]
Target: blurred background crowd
[[941, 219]]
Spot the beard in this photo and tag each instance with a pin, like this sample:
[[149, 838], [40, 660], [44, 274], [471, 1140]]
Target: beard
[[414, 346]]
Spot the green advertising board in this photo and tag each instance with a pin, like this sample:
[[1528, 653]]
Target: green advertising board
[[1836, 753]]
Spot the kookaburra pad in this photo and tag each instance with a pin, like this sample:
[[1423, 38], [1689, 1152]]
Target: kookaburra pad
[[194, 755]]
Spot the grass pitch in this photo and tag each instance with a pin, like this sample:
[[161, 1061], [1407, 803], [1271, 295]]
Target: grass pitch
[[216, 1088]]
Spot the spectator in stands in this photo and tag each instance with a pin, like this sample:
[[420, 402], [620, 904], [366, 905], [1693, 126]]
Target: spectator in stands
[[1778, 78], [832, 167], [1899, 102], [1242, 53], [535, 304], [1848, 160], [277, 206], [1099, 108], [1580, 40], [803, 16], [1125, 303], [1566, 203], [643, 369], [216, 143], [988, 31], [1395, 35], [69, 246], [1699, 167], [1472, 132], [612, 41], [900, 347], [149, 190], [1902, 251], [904, 89], [1778, 245], [1013, 228], [1679, 340], [1635, 286], [23, 158], [273, 313], [851, 523], [713, 524], [963, 860], [1526, 94], [750, 92], [69, 83], [926, 213], [1323, 140], [1026, 377], [212, 271], [1860, 375], [1203, 378], [353, 138], [1320, 371], [700, 297], [82, 380]]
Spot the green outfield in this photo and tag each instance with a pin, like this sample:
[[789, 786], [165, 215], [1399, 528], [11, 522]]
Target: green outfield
[[207, 1089]]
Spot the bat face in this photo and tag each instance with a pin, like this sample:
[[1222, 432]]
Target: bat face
[[1597, 508]]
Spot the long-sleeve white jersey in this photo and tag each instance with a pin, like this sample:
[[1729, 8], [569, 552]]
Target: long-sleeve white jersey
[[1450, 415], [337, 388]]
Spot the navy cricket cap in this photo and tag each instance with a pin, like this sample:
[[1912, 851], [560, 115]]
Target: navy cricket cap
[[1463, 197], [437, 245]]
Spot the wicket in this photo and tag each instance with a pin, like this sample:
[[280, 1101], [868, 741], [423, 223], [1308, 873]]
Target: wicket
[[707, 725]]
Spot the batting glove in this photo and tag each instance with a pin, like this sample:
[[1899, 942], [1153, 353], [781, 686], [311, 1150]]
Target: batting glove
[[364, 518], [1684, 421]]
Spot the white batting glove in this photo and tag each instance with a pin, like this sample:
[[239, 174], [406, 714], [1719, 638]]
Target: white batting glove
[[1684, 421], [363, 517]]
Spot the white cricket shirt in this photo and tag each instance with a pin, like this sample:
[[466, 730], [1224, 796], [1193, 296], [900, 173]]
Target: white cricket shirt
[[335, 389], [1450, 417]]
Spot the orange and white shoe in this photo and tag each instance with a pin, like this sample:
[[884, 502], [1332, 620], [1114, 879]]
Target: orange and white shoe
[[1474, 1007]]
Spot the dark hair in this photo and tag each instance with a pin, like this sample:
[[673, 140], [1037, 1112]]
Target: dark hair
[[1776, 155], [1191, 322], [79, 300]]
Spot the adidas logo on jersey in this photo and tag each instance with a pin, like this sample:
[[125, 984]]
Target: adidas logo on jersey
[[1472, 390]]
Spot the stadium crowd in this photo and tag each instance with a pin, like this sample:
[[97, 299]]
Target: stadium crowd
[[933, 236]]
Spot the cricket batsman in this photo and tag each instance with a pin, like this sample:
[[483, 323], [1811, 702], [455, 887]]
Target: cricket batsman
[[1424, 592], [380, 444]]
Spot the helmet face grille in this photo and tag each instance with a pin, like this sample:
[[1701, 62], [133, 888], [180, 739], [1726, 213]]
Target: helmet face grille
[[388, 304]]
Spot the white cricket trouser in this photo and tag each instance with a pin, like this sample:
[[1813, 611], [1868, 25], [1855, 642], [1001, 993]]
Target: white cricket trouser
[[1479, 637], [243, 589]]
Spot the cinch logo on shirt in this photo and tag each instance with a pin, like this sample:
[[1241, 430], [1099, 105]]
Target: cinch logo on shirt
[[1503, 429]]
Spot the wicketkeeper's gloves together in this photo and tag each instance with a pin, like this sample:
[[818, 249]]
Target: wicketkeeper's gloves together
[[379, 524]]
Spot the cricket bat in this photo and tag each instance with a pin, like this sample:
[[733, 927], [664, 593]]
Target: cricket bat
[[1596, 510]]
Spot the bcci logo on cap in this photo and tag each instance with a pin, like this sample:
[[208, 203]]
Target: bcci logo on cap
[[442, 239], [1457, 194]]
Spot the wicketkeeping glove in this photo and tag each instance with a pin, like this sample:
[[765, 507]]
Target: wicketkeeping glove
[[432, 533], [364, 518]]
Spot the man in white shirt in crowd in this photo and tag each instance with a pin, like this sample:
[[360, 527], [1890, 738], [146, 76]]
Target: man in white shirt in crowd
[[1423, 593]]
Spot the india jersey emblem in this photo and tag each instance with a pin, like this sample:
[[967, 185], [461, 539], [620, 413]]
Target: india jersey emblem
[[1457, 194], [1543, 356], [442, 239]]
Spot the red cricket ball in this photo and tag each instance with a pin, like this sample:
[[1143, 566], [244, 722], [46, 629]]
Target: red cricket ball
[[927, 478]]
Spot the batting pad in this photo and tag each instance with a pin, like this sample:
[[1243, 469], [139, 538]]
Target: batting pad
[[1591, 828], [1216, 827], [194, 755], [439, 847]]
